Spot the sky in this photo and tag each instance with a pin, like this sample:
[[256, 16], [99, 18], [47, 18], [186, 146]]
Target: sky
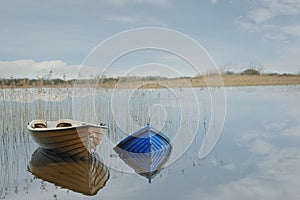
[[39, 36]]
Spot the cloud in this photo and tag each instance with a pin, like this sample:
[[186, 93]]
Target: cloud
[[137, 20], [122, 19], [262, 18], [32, 69], [292, 30], [293, 132], [276, 21], [260, 15], [270, 9]]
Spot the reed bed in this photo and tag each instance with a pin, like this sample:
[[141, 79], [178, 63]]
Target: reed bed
[[17, 108], [123, 110]]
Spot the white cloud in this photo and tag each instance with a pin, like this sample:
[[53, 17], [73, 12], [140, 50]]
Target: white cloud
[[136, 20], [293, 132], [269, 9], [276, 21], [261, 17], [122, 19], [32, 69], [261, 147], [292, 30]]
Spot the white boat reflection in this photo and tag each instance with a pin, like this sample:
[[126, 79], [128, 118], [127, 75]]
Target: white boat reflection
[[84, 176]]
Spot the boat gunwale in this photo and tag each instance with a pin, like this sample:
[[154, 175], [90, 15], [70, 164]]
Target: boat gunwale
[[76, 126], [136, 134]]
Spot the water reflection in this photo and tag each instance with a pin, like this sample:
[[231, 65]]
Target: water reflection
[[83, 176]]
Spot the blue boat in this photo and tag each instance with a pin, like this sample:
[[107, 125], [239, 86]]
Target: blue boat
[[146, 151]]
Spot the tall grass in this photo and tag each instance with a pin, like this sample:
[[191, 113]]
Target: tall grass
[[17, 108], [124, 111]]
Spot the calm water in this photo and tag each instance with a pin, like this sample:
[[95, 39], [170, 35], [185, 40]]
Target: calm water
[[257, 156]]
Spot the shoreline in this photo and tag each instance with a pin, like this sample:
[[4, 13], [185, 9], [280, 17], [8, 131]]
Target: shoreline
[[183, 82]]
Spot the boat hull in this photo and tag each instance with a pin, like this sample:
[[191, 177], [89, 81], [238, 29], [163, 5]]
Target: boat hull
[[146, 151], [68, 141]]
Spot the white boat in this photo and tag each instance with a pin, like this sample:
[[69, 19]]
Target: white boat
[[67, 137]]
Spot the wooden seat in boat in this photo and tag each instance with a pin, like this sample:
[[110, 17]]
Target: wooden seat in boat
[[63, 124], [39, 124]]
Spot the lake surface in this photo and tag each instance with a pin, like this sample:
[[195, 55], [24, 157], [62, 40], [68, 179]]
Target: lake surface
[[256, 157]]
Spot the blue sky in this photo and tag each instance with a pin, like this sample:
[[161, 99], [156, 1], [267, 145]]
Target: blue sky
[[38, 36]]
